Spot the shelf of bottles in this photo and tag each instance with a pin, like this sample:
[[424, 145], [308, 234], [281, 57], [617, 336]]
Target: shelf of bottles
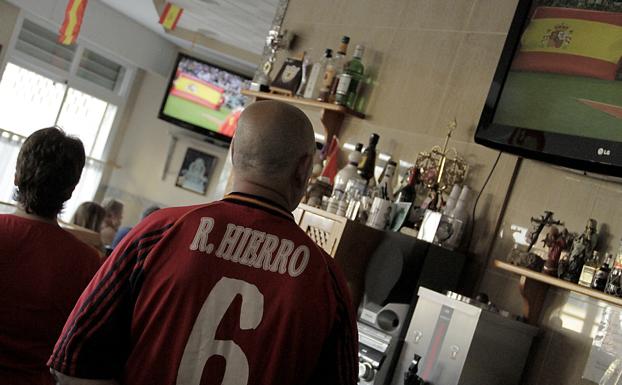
[[556, 282], [304, 102]]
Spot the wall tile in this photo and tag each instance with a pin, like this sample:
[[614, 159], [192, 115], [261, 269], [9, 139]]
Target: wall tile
[[413, 79], [436, 14], [469, 83], [492, 16]]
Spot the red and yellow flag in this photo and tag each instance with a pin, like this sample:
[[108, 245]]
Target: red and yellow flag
[[170, 16], [70, 29]]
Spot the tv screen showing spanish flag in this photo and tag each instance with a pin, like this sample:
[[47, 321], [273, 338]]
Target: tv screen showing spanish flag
[[566, 75], [205, 96]]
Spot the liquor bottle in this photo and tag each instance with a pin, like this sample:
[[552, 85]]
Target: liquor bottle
[[368, 161], [314, 83], [614, 282], [600, 277], [340, 65], [386, 181], [411, 376], [328, 77], [408, 192], [589, 269], [349, 171], [356, 70]]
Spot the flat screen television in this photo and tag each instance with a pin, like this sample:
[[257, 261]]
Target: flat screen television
[[556, 95], [204, 98]]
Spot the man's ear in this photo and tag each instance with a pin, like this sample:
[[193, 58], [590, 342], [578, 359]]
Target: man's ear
[[303, 170], [232, 151]]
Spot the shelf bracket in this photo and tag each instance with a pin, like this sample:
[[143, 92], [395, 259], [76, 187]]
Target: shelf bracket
[[332, 121], [534, 295]]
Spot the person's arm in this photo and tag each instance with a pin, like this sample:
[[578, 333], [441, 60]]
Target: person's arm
[[95, 341], [339, 358], [62, 379]]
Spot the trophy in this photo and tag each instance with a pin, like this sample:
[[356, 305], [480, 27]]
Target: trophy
[[274, 41]]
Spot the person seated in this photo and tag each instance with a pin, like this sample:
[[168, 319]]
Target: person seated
[[122, 232], [89, 215], [44, 268], [230, 292], [112, 221]]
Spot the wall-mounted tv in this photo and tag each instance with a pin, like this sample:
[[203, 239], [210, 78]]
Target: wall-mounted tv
[[204, 98], [557, 93]]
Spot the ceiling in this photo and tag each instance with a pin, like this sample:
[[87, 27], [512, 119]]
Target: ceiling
[[242, 24]]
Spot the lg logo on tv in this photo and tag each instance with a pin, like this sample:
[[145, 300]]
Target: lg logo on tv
[[603, 152]]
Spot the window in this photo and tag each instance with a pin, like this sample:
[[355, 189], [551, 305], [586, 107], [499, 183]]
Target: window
[[73, 87]]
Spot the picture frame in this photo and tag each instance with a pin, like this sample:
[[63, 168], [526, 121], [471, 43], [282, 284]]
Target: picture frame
[[195, 171], [288, 78]]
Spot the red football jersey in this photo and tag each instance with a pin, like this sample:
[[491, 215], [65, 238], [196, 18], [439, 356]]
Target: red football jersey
[[232, 292], [43, 271]]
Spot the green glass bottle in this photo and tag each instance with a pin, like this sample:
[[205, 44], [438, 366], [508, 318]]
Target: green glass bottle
[[356, 70]]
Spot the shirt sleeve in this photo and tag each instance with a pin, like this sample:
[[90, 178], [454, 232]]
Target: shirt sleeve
[[94, 343], [339, 361]]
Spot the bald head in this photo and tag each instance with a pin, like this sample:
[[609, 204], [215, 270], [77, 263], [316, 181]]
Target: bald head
[[271, 140]]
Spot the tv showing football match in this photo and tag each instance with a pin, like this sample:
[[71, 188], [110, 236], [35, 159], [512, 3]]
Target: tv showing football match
[[204, 98], [557, 92]]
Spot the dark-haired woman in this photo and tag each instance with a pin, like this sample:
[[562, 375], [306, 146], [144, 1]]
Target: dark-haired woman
[[43, 268]]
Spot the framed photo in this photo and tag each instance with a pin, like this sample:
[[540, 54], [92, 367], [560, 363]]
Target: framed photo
[[289, 77], [195, 171]]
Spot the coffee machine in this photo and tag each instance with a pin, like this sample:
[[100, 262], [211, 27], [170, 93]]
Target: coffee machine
[[397, 267]]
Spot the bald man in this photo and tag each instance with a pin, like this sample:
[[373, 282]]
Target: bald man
[[231, 292]]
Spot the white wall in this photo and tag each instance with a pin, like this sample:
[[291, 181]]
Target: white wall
[[142, 157], [111, 31]]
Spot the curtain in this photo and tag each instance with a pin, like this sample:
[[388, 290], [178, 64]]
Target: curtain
[[9, 148]]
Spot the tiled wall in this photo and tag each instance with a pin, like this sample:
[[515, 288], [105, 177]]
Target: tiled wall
[[433, 60]]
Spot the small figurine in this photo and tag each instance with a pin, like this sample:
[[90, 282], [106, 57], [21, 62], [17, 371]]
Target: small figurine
[[545, 219], [582, 247], [556, 242]]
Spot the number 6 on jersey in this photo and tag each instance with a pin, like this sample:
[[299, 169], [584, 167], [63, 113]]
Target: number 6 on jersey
[[202, 343]]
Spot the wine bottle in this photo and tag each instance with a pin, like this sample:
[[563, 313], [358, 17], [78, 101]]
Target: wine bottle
[[386, 182], [600, 278], [614, 282], [408, 192], [368, 161]]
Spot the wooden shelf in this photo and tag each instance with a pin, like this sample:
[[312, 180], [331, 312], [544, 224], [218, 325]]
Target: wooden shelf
[[332, 114], [556, 282], [304, 102], [534, 285]]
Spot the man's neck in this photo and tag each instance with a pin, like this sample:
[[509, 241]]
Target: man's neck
[[21, 212], [260, 190]]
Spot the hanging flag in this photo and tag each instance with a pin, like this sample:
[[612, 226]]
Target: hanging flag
[[170, 16], [70, 29]]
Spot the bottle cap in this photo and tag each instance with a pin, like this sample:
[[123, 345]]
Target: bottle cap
[[392, 163], [358, 147], [374, 138], [345, 39], [358, 51], [328, 52]]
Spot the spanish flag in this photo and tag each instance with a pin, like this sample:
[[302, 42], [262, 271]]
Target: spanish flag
[[572, 41], [170, 16], [70, 29]]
